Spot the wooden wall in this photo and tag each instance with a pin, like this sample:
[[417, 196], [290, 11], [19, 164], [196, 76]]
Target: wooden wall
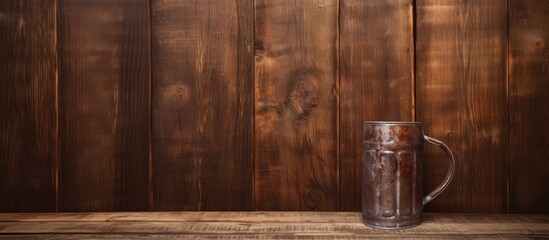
[[146, 105], [461, 95]]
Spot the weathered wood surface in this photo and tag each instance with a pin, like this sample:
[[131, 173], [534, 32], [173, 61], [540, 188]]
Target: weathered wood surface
[[184, 217], [202, 105], [529, 106], [28, 105], [263, 225], [205, 101], [376, 61], [104, 105], [273, 236], [296, 105], [461, 84]]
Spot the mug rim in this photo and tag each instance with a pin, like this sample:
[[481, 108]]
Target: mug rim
[[392, 123]]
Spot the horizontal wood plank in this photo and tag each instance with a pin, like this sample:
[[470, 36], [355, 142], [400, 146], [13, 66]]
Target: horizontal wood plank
[[261, 225], [304, 228], [185, 217], [257, 217], [263, 236]]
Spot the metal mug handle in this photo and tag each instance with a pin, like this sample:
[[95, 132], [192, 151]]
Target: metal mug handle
[[450, 173]]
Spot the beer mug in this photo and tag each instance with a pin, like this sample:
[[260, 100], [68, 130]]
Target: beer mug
[[392, 174]]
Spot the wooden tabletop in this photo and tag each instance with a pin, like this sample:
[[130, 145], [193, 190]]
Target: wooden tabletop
[[261, 225]]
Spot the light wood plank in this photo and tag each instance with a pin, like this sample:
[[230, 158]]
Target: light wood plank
[[186, 216], [266, 236], [151, 227], [309, 217], [263, 225]]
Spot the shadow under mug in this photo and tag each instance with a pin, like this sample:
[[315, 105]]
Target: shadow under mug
[[392, 174]]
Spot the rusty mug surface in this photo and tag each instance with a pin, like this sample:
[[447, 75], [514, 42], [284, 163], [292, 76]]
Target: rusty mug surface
[[392, 174]]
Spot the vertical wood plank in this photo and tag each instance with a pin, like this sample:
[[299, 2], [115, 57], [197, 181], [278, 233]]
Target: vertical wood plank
[[104, 105], [376, 60], [461, 98], [296, 105], [202, 105], [28, 105], [529, 106]]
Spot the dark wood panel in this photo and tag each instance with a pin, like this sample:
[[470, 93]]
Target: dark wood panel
[[202, 105], [104, 105], [529, 106], [461, 98], [28, 108], [376, 60], [296, 93]]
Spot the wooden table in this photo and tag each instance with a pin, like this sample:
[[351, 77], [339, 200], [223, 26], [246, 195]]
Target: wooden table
[[261, 225]]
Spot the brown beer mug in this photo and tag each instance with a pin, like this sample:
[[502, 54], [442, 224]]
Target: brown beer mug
[[392, 174]]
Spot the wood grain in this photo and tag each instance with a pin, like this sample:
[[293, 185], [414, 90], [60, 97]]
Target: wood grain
[[187, 216], [376, 61], [307, 120], [296, 93], [357, 228], [104, 105], [28, 108], [461, 98], [529, 106], [271, 236], [265, 225], [202, 105], [258, 217]]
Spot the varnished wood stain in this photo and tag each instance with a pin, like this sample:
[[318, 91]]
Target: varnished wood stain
[[243, 105]]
